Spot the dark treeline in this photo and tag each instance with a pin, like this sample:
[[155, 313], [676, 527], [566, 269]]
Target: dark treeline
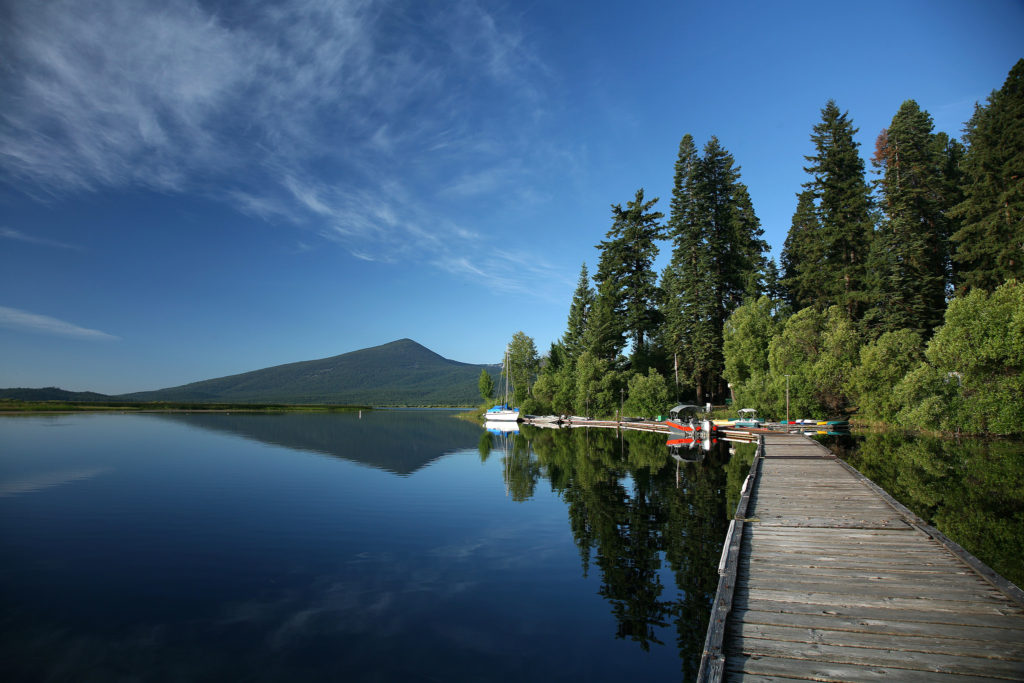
[[898, 295]]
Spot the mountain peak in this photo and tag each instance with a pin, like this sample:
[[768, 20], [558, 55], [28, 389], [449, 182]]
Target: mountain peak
[[401, 372]]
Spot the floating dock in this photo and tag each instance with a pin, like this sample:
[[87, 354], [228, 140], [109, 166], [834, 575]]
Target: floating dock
[[727, 433], [826, 577]]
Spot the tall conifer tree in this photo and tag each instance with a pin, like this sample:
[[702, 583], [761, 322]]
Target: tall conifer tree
[[843, 208], [605, 337], [915, 233], [574, 339], [717, 259], [625, 270], [680, 275], [989, 246], [802, 255]]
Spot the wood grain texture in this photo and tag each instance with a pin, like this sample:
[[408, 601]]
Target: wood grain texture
[[835, 581]]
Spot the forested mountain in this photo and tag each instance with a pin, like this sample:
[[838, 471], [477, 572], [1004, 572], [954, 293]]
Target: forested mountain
[[52, 394], [399, 373]]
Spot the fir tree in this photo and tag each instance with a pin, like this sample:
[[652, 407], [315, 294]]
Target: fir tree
[[625, 273], [989, 246], [802, 255], [605, 333], [717, 260], [744, 265], [915, 233], [679, 276], [773, 282], [843, 209], [574, 339]]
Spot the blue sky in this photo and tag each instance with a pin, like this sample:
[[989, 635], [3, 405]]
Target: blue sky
[[194, 189]]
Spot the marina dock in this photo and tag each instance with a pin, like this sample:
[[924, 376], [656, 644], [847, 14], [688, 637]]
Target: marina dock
[[826, 577]]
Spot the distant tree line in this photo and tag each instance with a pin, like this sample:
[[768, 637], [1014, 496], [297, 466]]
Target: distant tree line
[[898, 297]]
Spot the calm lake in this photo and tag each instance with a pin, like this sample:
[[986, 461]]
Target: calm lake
[[402, 545]]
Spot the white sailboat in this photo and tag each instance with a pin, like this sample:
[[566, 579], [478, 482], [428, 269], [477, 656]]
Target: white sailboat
[[502, 412]]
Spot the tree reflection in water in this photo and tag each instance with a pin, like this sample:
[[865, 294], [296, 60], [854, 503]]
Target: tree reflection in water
[[971, 490], [635, 511]]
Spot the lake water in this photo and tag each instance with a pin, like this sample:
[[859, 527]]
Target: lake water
[[402, 545]]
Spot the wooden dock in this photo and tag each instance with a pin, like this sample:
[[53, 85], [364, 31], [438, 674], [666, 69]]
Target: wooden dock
[[825, 577], [729, 434]]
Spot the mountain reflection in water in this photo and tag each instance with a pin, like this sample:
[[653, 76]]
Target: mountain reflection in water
[[376, 437], [183, 547]]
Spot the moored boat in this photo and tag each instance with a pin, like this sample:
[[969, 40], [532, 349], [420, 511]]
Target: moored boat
[[502, 412], [748, 418], [682, 420]]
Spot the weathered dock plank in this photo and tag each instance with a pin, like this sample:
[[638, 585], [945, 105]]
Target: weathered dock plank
[[827, 578]]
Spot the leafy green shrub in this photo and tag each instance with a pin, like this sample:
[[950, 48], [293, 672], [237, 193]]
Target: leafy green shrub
[[648, 395], [979, 355], [883, 363]]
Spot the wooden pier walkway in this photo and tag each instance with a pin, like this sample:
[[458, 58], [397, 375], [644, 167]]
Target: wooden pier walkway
[[825, 577]]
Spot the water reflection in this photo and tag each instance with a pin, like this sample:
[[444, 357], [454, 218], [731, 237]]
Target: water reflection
[[199, 553], [641, 518], [970, 490], [376, 438]]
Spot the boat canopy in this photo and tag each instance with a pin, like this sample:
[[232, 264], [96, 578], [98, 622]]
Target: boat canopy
[[684, 409], [750, 411]]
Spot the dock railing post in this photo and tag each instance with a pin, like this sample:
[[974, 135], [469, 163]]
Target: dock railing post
[[712, 661]]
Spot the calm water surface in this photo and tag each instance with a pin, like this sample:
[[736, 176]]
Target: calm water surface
[[399, 546]]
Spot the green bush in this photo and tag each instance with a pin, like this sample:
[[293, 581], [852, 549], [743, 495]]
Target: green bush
[[974, 370], [648, 395], [883, 364]]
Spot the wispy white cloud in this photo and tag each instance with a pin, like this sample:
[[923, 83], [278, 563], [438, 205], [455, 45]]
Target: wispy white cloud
[[349, 118], [8, 233], [23, 321]]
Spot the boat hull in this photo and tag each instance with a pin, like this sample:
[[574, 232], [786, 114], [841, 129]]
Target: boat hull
[[683, 429], [502, 416]]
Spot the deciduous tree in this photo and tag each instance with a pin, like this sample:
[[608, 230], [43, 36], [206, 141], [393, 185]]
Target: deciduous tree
[[486, 385], [523, 364]]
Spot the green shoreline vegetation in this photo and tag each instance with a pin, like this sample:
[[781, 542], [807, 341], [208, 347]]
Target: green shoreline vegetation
[[897, 300]]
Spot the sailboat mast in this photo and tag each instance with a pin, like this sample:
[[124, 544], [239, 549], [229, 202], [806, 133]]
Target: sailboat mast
[[506, 377]]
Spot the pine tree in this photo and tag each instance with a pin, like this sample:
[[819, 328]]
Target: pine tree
[[745, 262], [717, 260], [679, 277], [574, 339], [989, 246], [843, 210], [802, 255], [605, 334], [773, 283], [915, 233], [625, 273]]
